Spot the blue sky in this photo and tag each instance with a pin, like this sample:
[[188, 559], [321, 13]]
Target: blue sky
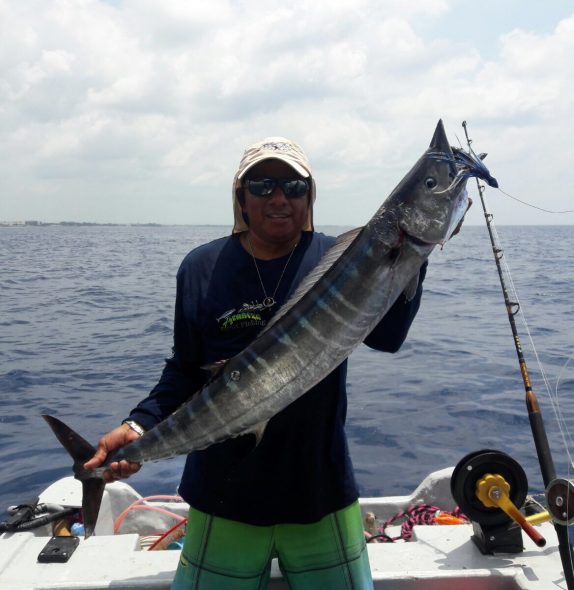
[[481, 24], [138, 111]]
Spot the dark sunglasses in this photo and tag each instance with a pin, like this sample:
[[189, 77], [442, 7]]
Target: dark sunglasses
[[264, 187]]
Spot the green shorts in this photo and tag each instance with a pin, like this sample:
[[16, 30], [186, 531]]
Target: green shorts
[[220, 554]]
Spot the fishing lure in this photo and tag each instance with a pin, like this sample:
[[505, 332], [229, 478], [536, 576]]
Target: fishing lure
[[469, 164]]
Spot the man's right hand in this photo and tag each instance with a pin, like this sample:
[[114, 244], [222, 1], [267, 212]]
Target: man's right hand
[[115, 439]]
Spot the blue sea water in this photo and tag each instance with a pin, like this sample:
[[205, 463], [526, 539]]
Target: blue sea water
[[86, 319]]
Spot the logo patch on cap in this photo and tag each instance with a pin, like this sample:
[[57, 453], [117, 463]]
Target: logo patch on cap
[[280, 147]]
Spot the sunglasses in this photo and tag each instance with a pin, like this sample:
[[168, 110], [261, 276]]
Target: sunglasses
[[264, 187]]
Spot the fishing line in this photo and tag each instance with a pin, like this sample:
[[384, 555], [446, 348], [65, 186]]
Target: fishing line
[[482, 156], [570, 464], [553, 398], [562, 371], [547, 467], [534, 206], [467, 162]]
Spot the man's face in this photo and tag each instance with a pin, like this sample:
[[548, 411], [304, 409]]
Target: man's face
[[275, 218]]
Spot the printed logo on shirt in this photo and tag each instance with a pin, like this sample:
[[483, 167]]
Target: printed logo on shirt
[[248, 315]]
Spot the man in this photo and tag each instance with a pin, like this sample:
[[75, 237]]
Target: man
[[292, 495]]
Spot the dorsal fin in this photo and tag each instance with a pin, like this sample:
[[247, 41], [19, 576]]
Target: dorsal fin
[[327, 260], [214, 368]]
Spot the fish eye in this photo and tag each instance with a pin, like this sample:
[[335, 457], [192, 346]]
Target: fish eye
[[430, 182]]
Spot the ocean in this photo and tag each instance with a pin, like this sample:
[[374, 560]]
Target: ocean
[[86, 322]]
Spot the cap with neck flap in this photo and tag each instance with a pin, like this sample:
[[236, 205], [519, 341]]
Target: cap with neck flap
[[277, 148]]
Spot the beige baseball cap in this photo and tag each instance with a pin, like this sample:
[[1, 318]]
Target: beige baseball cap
[[277, 148]]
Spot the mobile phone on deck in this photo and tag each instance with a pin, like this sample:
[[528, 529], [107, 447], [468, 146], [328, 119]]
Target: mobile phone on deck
[[58, 550]]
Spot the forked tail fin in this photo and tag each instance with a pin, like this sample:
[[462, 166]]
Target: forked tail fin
[[92, 485]]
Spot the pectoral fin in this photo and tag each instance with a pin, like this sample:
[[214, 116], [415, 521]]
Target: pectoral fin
[[411, 288], [258, 430], [214, 368]]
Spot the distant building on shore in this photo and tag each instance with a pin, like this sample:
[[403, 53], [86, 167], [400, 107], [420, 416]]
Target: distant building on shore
[[32, 222], [11, 223]]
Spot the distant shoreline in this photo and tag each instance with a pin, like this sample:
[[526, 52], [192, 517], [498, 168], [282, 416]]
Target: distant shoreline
[[16, 224], [95, 224]]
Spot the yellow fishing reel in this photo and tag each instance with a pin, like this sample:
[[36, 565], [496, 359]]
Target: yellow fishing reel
[[490, 487]]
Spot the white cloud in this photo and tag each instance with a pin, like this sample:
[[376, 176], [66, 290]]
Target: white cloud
[[161, 98]]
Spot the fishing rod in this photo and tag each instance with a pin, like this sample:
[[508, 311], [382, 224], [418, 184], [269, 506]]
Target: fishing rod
[[534, 414]]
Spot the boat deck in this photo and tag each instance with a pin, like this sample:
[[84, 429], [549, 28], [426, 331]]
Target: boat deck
[[439, 557], [442, 557]]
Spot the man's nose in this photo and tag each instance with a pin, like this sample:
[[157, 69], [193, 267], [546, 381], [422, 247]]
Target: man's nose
[[277, 195]]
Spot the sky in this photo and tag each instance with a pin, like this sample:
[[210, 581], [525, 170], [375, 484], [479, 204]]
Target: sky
[[138, 111]]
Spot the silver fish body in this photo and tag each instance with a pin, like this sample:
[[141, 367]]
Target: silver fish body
[[326, 319], [291, 356]]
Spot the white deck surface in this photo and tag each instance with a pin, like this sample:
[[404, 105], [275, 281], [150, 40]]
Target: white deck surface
[[440, 558]]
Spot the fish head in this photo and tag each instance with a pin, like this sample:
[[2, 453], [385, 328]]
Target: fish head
[[431, 200]]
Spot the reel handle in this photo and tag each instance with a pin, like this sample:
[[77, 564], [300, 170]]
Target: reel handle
[[493, 491]]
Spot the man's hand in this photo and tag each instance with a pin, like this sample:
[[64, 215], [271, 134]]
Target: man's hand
[[115, 439]]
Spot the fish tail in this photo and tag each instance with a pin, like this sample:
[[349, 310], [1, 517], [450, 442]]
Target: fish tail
[[92, 484], [92, 494]]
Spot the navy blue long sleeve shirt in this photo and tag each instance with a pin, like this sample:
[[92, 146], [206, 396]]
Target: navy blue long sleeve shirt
[[301, 469]]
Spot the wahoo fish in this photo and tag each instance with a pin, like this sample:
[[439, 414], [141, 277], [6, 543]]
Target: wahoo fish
[[333, 310]]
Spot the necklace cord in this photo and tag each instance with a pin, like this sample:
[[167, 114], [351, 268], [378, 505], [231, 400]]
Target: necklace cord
[[269, 301]]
